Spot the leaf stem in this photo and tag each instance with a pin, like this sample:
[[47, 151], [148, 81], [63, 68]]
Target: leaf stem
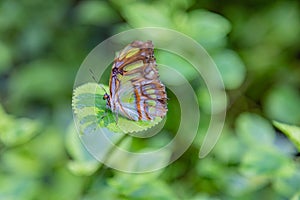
[[103, 168]]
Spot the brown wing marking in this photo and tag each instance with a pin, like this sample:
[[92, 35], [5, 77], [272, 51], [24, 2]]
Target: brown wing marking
[[137, 101]]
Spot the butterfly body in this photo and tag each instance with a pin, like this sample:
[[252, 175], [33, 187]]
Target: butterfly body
[[135, 89]]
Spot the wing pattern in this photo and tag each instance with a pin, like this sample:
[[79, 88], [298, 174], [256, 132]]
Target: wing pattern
[[135, 89]]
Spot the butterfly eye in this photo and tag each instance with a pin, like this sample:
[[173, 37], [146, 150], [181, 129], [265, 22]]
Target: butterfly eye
[[105, 96]]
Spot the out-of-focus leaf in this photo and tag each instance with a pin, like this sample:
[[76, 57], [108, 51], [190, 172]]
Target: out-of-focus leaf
[[50, 137], [15, 131], [231, 67], [83, 163], [271, 26], [17, 187], [203, 197], [83, 168], [95, 13], [139, 14], [18, 131], [33, 39], [254, 130], [238, 185], [264, 161], [288, 186], [149, 162], [5, 57], [178, 63], [228, 149], [293, 132], [61, 184], [209, 29], [210, 168], [141, 186], [176, 4], [281, 103], [8, 18], [21, 162], [42, 79], [101, 190], [296, 196], [282, 33]]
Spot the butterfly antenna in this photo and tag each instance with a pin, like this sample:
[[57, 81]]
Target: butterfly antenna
[[93, 76]]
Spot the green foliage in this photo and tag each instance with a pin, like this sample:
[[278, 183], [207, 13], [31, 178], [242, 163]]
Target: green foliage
[[6, 57], [82, 162], [293, 132], [16, 131], [254, 129], [95, 13], [231, 67], [135, 187], [255, 45], [282, 104]]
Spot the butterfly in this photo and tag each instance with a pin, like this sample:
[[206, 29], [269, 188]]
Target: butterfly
[[135, 89]]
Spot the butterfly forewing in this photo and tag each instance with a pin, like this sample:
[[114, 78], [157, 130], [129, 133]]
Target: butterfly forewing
[[135, 89]]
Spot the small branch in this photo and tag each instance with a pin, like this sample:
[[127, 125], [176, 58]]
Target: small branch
[[103, 168]]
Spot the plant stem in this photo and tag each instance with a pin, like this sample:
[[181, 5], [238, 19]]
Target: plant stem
[[103, 168]]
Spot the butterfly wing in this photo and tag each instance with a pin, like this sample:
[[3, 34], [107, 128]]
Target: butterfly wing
[[136, 91]]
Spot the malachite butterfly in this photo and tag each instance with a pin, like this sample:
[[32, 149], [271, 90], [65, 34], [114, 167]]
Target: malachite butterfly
[[135, 89]]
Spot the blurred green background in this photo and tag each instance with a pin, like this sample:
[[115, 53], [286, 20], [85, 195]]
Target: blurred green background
[[256, 47]]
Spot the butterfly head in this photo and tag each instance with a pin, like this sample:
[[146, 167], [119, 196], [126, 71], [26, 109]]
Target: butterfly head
[[105, 96]]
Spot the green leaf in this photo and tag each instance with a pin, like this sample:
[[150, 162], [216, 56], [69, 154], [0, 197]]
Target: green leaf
[[83, 163], [266, 162], [208, 28], [282, 104], [142, 14], [17, 187], [293, 132], [14, 131], [178, 63], [91, 112], [33, 81], [95, 13], [82, 168], [282, 33], [239, 185], [5, 57], [296, 196], [288, 185], [61, 185], [21, 162], [254, 130], [210, 168], [135, 186], [52, 136], [225, 154], [231, 67]]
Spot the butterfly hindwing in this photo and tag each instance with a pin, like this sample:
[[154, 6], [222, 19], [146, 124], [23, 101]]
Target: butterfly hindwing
[[135, 89]]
